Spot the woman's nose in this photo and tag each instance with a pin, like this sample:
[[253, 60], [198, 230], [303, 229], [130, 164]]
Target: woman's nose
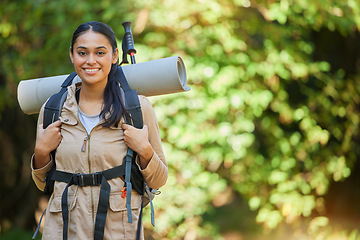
[[91, 59]]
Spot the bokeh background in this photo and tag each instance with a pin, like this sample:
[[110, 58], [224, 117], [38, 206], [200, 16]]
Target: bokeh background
[[264, 146]]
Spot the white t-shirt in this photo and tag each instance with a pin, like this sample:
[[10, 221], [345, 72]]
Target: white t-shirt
[[88, 121]]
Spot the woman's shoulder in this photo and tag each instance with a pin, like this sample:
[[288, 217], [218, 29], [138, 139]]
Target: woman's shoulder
[[144, 102], [147, 109]]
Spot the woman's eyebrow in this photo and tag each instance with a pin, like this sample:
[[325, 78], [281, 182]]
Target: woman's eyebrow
[[82, 47]]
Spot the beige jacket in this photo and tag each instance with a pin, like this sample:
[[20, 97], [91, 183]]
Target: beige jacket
[[103, 148]]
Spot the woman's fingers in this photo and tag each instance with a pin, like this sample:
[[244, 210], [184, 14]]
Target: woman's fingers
[[49, 139], [135, 138], [138, 140]]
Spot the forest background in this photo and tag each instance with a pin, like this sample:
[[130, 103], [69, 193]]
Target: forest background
[[264, 146]]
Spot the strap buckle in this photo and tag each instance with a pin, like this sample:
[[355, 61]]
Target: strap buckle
[[82, 180]]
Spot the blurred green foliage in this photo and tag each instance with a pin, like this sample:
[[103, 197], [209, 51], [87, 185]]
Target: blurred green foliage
[[272, 116]]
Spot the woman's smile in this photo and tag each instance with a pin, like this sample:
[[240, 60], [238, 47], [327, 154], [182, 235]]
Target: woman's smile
[[91, 71]]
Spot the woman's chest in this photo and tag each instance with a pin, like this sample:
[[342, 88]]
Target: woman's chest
[[81, 152]]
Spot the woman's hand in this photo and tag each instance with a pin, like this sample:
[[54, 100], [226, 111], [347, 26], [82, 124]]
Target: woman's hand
[[46, 140], [138, 140]]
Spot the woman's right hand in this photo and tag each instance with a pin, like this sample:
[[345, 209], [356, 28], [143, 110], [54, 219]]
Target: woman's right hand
[[46, 140]]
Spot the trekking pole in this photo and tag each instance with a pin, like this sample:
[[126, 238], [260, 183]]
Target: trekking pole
[[128, 44]]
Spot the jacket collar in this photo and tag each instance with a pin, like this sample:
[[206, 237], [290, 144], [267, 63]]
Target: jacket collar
[[71, 105]]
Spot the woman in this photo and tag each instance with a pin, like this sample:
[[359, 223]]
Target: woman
[[91, 137]]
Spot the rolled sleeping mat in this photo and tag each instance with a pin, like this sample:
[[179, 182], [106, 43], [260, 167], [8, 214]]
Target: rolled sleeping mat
[[152, 78]]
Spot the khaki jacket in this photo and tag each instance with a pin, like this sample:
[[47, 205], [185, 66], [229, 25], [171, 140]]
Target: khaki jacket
[[102, 149]]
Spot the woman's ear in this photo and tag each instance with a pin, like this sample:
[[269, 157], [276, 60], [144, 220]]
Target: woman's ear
[[71, 56], [115, 56]]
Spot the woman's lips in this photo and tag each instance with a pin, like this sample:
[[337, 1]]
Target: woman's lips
[[91, 71]]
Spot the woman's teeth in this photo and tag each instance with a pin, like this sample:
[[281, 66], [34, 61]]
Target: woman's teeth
[[91, 70]]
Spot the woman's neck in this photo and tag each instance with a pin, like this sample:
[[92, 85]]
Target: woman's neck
[[91, 100]]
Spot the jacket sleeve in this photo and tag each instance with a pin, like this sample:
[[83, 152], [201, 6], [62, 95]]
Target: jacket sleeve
[[156, 172], [38, 175]]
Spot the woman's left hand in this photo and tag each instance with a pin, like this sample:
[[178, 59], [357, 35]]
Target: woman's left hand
[[138, 140]]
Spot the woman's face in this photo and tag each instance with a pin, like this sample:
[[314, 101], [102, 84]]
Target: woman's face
[[92, 57]]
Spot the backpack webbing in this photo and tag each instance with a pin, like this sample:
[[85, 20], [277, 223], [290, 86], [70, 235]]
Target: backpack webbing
[[52, 112]]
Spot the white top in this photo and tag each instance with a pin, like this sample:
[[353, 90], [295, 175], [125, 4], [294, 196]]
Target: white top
[[89, 122]]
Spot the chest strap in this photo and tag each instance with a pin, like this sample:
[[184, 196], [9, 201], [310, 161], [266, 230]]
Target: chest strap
[[82, 180]]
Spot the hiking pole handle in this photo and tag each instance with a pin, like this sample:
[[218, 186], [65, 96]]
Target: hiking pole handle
[[129, 42]]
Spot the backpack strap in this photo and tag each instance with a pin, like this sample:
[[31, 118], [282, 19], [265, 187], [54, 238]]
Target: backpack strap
[[134, 118], [132, 102], [55, 103], [52, 113]]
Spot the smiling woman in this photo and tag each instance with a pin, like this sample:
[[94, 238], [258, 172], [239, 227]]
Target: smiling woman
[[90, 138]]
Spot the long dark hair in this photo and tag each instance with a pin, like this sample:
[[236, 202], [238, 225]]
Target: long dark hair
[[113, 99]]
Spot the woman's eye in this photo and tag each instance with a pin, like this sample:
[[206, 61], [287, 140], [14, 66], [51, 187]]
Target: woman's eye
[[82, 53], [101, 53]]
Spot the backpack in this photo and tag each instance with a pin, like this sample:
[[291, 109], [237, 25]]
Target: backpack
[[128, 169]]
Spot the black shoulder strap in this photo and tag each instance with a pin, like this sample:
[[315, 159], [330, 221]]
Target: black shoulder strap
[[55, 103], [131, 101], [52, 112]]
